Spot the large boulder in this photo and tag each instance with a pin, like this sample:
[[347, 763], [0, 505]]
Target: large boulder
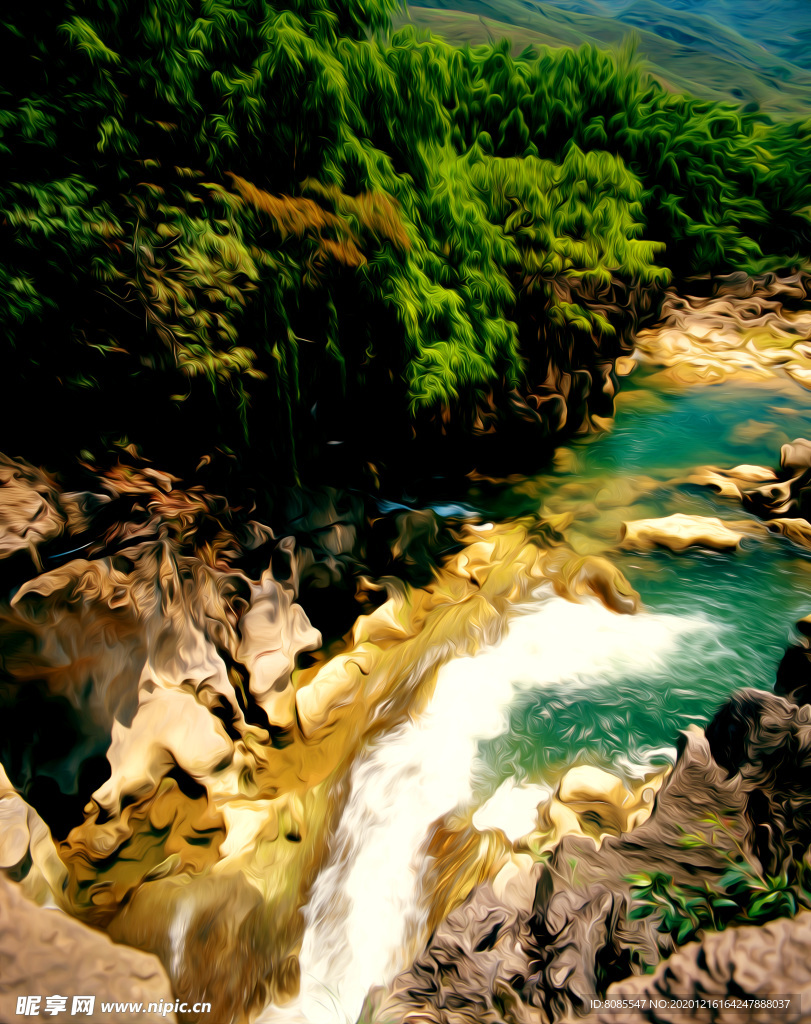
[[43, 952]]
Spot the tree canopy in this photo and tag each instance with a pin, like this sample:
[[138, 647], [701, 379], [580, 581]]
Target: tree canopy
[[234, 220]]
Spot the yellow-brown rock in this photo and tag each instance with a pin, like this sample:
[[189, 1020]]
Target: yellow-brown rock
[[593, 803], [679, 532]]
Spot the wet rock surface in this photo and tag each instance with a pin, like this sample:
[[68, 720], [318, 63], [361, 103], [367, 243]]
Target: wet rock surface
[[790, 495], [782, 496]]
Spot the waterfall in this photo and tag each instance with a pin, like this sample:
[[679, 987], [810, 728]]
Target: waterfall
[[367, 900]]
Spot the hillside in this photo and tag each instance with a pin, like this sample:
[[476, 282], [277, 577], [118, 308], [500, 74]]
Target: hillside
[[782, 26], [686, 51]]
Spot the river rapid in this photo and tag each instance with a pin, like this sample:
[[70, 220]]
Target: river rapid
[[568, 683]]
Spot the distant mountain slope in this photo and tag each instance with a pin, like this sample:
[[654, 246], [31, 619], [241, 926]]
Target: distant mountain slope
[[782, 26], [685, 49]]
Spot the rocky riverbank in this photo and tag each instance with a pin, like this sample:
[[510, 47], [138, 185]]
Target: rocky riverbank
[[562, 932]]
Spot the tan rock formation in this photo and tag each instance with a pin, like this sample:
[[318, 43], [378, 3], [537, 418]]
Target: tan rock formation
[[27, 851], [679, 532], [741, 331], [730, 483], [43, 952], [798, 531], [777, 496]]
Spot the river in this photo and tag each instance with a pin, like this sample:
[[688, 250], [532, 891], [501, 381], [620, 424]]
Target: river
[[569, 683]]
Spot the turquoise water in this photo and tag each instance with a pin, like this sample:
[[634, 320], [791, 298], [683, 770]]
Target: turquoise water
[[747, 602], [724, 424]]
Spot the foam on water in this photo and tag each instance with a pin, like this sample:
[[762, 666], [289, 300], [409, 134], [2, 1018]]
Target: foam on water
[[513, 808], [365, 900]]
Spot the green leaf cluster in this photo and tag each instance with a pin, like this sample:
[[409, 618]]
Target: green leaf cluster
[[742, 894]]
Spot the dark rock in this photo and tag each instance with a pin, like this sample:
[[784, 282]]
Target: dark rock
[[790, 495]]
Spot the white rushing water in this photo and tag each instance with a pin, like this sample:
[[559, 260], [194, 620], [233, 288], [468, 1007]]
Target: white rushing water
[[366, 901]]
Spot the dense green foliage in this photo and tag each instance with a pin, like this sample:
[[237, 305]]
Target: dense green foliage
[[231, 216]]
